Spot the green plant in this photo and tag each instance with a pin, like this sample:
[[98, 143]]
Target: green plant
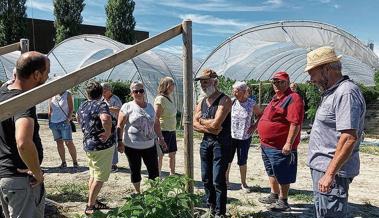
[[12, 21], [370, 94], [313, 97], [68, 192], [163, 199], [122, 90], [370, 149], [225, 85]]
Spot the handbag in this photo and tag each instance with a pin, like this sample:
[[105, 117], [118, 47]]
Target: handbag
[[72, 124]]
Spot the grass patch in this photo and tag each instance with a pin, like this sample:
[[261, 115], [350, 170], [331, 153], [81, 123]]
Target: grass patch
[[370, 149], [69, 192], [196, 135], [299, 195]]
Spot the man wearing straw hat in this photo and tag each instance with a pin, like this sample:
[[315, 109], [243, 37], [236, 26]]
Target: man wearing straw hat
[[333, 152]]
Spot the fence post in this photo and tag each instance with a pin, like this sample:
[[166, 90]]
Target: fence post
[[24, 45], [188, 101]]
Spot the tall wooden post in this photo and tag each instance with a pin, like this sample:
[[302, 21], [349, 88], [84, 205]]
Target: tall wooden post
[[260, 93], [24, 45], [188, 101]]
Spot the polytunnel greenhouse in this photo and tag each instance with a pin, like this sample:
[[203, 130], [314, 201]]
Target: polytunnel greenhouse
[[149, 67], [258, 52], [7, 63]]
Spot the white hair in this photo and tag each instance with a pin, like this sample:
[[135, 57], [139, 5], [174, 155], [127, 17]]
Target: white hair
[[241, 85]]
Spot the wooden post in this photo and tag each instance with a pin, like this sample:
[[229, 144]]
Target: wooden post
[[188, 101], [9, 48], [260, 93], [38, 94], [24, 45]]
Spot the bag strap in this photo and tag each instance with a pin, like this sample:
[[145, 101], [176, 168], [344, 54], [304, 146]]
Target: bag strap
[[167, 98], [62, 108]]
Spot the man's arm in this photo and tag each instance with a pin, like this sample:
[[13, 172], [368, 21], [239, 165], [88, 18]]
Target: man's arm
[[292, 133], [27, 149], [198, 127], [345, 146], [222, 112]]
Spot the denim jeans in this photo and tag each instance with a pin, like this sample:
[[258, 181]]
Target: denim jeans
[[214, 163]]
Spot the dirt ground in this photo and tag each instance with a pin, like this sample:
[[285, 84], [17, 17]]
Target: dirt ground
[[364, 191]]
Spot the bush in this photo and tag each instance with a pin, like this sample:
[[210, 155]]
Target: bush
[[122, 90], [369, 93], [163, 199]]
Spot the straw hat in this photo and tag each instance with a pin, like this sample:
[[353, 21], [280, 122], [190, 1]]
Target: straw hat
[[320, 56]]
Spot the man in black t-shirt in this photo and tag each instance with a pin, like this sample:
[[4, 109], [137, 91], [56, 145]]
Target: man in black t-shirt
[[21, 150]]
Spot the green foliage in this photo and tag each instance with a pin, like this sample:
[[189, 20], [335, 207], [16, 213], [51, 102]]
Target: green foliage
[[225, 85], [376, 79], [163, 199], [370, 149], [122, 90], [12, 21], [67, 18], [71, 191], [120, 21], [370, 94], [313, 98]]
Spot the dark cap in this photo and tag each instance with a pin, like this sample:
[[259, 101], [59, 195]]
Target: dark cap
[[207, 74]]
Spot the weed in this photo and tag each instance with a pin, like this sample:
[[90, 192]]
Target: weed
[[370, 149], [76, 192]]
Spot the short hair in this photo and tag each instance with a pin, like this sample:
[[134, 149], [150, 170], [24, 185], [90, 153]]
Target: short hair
[[106, 86], [94, 90], [30, 62], [240, 85], [134, 84], [164, 84], [336, 65]]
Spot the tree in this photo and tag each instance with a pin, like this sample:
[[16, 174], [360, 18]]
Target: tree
[[12, 21], [120, 21], [67, 18]]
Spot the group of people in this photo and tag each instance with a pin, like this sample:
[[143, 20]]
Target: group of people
[[144, 132], [333, 149]]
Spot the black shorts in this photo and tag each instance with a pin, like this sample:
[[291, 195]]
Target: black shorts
[[170, 139]]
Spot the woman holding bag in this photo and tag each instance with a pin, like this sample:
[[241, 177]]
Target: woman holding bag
[[60, 115]]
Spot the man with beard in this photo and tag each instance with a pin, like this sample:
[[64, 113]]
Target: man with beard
[[212, 118], [333, 152], [21, 179], [279, 133]]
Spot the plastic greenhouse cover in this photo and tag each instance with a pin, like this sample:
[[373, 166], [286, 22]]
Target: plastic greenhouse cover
[[149, 67], [7, 63], [258, 52]]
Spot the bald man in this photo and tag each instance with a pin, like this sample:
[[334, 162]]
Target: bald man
[[20, 144]]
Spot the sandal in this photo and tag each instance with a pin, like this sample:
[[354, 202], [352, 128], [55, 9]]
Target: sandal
[[89, 210], [100, 206]]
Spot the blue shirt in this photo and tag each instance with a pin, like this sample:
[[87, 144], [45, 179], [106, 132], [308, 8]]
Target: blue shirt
[[342, 108], [89, 115]]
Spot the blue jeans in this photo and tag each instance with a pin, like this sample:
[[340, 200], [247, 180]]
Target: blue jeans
[[214, 163], [242, 148], [61, 131]]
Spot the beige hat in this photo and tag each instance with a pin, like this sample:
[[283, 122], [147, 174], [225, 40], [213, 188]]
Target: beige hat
[[320, 56], [207, 74]]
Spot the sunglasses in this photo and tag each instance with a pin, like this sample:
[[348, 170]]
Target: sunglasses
[[141, 91], [277, 81]]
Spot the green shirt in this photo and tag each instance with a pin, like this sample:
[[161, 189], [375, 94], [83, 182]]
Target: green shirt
[[168, 115]]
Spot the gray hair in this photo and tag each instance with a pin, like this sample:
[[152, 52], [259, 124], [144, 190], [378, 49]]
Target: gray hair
[[241, 85], [336, 65], [106, 86], [134, 84]]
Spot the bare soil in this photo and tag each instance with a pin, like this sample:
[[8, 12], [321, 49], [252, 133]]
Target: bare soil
[[363, 196]]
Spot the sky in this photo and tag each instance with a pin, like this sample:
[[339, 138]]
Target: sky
[[213, 21]]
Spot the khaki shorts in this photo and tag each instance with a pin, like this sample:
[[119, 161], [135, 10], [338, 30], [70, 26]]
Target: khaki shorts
[[100, 163]]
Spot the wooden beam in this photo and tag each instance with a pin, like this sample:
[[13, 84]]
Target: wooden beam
[[10, 48], [34, 96], [188, 101]]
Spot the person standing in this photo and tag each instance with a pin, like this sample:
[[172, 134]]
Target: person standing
[[279, 133], [165, 115], [333, 150], [243, 126], [114, 103], [98, 141], [137, 130], [21, 151], [212, 118], [60, 115]]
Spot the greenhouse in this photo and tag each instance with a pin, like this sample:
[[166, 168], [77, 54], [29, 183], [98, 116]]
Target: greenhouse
[[149, 67], [258, 52]]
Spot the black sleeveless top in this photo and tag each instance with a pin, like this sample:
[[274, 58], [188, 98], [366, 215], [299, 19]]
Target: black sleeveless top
[[224, 137]]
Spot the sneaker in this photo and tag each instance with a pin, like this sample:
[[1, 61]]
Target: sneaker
[[246, 189], [63, 165], [114, 168], [269, 199], [279, 206]]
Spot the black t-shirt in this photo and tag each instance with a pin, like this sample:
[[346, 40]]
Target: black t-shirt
[[10, 160]]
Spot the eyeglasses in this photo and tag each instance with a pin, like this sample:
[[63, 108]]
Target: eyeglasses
[[141, 91], [277, 81]]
